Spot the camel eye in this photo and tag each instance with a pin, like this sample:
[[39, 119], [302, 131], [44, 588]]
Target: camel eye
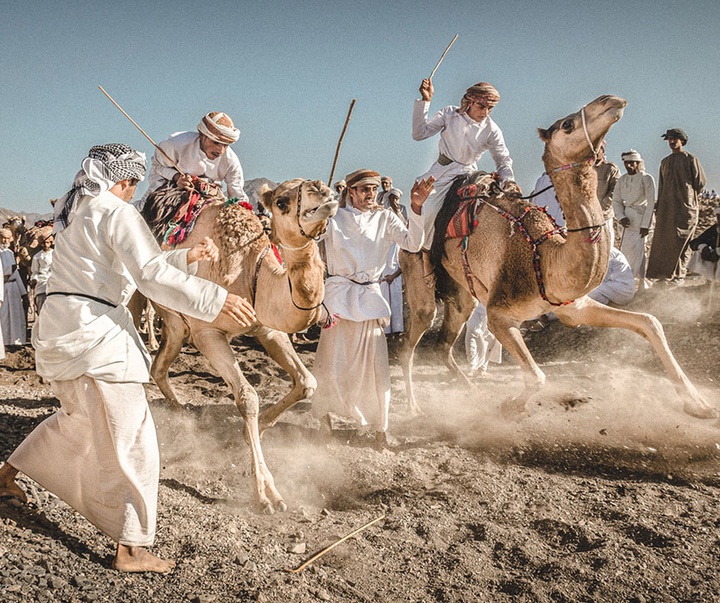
[[283, 203], [568, 125]]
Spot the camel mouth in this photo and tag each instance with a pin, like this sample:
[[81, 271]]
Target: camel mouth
[[324, 211]]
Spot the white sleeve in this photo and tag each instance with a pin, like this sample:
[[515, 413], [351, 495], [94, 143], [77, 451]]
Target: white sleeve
[[422, 127], [409, 238], [154, 276]]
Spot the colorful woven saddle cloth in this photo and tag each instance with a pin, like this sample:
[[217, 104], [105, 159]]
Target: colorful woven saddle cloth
[[469, 199]]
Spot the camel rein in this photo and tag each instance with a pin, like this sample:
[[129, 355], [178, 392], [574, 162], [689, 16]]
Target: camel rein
[[468, 194]]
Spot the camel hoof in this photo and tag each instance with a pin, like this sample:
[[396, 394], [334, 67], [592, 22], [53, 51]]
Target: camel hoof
[[280, 506], [514, 409], [267, 508], [701, 412]]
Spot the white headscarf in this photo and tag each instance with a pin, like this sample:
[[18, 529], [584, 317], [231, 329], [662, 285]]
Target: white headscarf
[[104, 166]]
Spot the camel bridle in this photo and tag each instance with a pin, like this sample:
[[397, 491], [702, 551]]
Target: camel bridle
[[302, 231]]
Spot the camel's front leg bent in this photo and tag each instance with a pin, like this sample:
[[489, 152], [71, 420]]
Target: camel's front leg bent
[[304, 384], [589, 312], [174, 333], [507, 331], [214, 346]]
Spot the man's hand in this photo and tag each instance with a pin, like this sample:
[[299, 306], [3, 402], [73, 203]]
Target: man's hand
[[239, 309], [183, 181], [625, 223], [204, 250], [420, 192], [427, 90]]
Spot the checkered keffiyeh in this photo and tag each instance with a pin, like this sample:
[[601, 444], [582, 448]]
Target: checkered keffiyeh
[[104, 166]]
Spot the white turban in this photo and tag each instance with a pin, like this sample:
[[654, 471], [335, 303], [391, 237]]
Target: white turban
[[631, 155], [219, 127]]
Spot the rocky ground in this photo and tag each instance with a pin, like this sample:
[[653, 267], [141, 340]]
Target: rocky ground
[[606, 492]]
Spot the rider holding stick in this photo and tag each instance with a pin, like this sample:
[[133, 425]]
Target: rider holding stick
[[466, 132]]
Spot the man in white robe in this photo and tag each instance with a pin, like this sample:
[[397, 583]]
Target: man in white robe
[[40, 271], [466, 132], [204, 154], [351, 364], [12, 313], [99, 452], [634, 205]]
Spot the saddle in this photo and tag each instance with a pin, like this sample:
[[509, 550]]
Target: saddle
[[464, 221]]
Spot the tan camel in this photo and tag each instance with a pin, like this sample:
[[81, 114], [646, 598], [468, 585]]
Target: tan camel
[[286, 299], [498, 266]]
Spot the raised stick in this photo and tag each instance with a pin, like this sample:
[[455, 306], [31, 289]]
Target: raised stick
[[152, 142], [339, 144], [443, 56], [327, 549]]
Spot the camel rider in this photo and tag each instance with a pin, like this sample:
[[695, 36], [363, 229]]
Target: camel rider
[[466, 132], [205, 153]]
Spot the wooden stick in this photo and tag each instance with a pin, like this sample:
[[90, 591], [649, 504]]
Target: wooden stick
[[152, 142], [327, 549], [339, 144], [443, 56]]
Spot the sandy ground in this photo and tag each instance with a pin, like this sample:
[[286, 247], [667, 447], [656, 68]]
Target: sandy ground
[[606, 492]]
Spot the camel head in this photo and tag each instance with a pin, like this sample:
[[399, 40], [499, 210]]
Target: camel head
[[300, 210], [570, 141]]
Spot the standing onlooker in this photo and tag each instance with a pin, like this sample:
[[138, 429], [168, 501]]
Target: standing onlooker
[[607, 177], [351, 364], [481, 346], [681, 181], [391, 282], [40, 271], [634, 203], [466, 132], [385, 186], [12, 312]]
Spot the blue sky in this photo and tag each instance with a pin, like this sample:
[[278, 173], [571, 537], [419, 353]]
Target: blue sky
[[287, 71]]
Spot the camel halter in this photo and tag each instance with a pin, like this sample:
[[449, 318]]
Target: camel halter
[[302, 231]]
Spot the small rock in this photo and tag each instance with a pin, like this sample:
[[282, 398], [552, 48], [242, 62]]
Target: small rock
[[297, 548], [325, 513], [323, 595], [250, 566], [206, 598]]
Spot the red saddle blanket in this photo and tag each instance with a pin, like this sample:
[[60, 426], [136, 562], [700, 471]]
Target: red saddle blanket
[[463, 221]]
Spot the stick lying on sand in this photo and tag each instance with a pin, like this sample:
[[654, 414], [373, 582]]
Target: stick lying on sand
[[327, 549], [152, 142]]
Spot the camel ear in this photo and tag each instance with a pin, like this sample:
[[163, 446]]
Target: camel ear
[[266, 196], [544, 134]]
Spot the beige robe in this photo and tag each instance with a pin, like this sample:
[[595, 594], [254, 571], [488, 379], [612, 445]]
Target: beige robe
[[681, 181]]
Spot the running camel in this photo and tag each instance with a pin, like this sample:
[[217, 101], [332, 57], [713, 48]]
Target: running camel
[[286, 300], [520, 265]]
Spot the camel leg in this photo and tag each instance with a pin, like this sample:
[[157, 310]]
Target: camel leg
[[174, 335], [457, 311], [136, 305], [421, 301], [507, 331], [589, 312], [279, 348], [150, 315], [214, 346]]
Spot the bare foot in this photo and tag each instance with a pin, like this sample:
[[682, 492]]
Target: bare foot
[[381, 443], [139, 559], [8, 487]]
